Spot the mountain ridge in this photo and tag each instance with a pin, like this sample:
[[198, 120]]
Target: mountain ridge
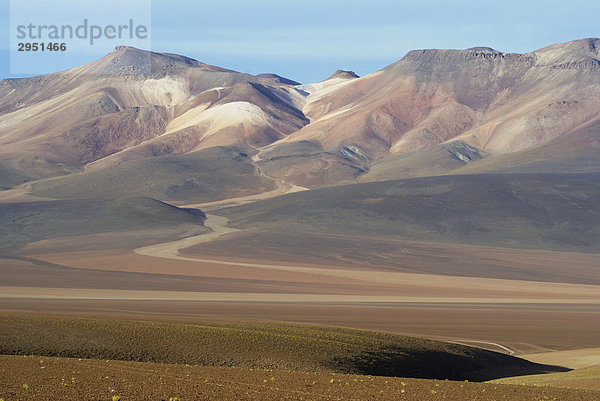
[[133, 104]]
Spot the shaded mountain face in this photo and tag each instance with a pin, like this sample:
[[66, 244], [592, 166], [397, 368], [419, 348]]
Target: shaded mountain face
[[433, 112], [531, 211]]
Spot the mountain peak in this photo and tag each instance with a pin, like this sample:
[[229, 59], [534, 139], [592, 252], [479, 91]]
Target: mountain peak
[[586, 47], [586, 44], [128, 60], [582, 54], [124, 48], [483, 49], [446, 60], [577, 54], [342, 74]]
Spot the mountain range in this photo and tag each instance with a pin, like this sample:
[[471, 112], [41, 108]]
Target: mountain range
[[170, 128]]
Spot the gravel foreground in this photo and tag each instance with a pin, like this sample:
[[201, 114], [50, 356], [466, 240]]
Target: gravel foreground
[[43, 378]]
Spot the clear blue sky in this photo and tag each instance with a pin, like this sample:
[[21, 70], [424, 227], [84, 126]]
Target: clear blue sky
[[307, 40]]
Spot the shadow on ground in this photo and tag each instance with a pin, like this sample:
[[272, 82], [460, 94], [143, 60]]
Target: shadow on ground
[[473, 365]]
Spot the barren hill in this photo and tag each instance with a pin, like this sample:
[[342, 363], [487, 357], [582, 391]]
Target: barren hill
[[430, 113], [496, 103]]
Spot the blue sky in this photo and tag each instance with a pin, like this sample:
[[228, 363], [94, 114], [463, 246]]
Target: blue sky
[[308, 40]]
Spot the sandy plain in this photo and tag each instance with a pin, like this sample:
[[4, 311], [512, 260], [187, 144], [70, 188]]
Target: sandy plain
[[509, 316], [208, 277]]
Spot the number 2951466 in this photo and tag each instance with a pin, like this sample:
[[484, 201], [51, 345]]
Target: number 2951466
[[42, 47]]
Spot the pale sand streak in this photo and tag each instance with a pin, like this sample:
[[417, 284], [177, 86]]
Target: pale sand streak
[[574, 359], [282, 189], [9, 292], [542, 292]]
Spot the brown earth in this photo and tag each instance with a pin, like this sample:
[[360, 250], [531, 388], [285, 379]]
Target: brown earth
[[42, 378]]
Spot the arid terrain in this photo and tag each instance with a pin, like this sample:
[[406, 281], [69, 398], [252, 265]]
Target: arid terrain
[[451, 196], [34, 378], [225, 360]]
